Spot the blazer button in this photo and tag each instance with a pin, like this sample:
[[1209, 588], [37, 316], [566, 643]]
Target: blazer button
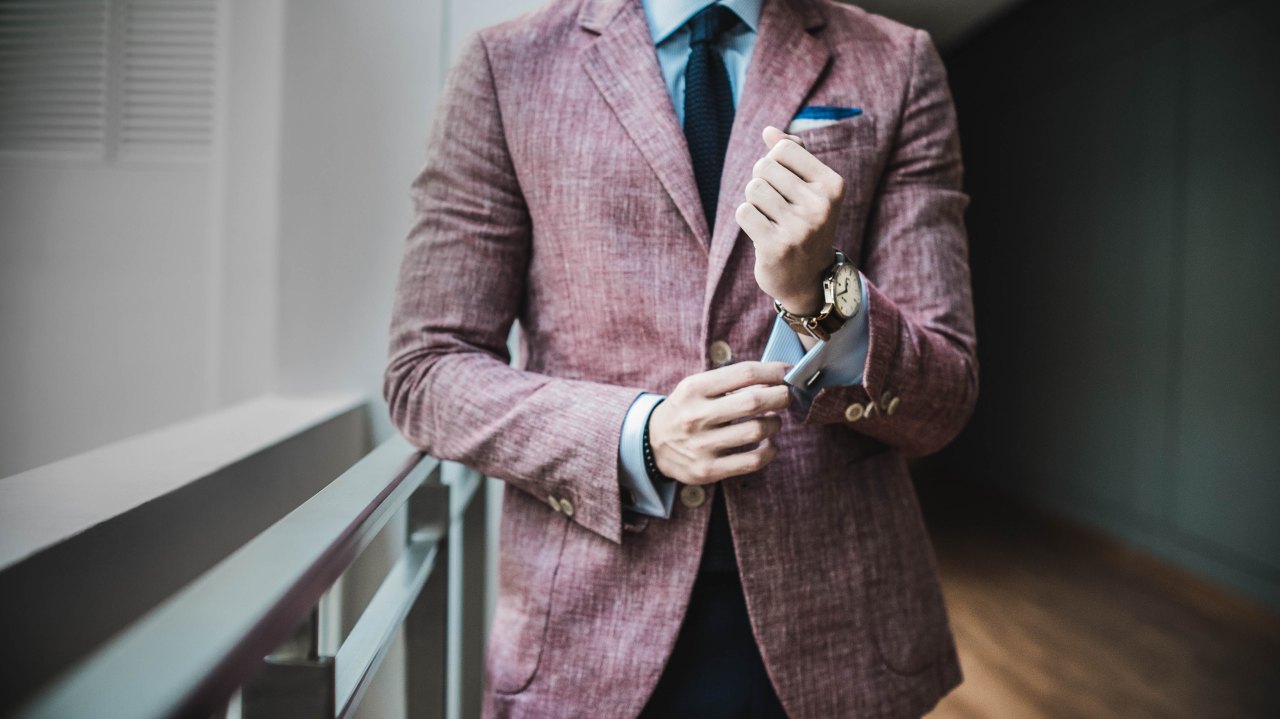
[[720, 353], [567, 507], [692, 495], [854, 412], [893, 406], [555, 503]]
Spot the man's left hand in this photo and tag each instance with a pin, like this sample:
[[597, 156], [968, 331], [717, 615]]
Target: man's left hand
[[791, 210]]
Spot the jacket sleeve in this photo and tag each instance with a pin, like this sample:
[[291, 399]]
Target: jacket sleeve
[[920, 381], [448, 383]]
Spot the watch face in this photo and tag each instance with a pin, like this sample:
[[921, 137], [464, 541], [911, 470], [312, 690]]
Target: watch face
[[846, 290]]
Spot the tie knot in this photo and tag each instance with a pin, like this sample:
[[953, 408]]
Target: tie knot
[[710, 23]]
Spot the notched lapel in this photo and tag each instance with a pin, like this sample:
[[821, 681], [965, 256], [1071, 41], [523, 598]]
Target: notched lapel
[[623, 65], [786, 63]]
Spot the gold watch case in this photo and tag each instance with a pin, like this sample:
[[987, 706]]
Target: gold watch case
[[842, 290], [841, 298]]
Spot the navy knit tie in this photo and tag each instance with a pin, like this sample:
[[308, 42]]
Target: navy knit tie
[[708, 103], [708, 119]]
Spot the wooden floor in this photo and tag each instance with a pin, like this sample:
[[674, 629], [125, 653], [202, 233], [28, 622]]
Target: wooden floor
[[1054, 621]]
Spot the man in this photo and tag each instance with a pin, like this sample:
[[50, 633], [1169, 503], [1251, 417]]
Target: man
[[657, 191]]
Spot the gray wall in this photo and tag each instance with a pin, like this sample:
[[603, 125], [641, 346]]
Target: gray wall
[[136, 292], [1124, 165]]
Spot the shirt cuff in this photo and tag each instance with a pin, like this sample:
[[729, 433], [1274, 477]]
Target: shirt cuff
[[839, 361], [641, 494]]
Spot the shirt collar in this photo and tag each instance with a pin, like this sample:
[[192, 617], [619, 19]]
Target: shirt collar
[[667, 16]]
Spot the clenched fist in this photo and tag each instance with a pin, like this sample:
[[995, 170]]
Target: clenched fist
[[791, 210], [716, 424]]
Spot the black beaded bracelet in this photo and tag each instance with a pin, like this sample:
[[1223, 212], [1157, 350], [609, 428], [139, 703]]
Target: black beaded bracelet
[[651, 465]]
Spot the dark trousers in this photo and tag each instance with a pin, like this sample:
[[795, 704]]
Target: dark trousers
[[715, 669]]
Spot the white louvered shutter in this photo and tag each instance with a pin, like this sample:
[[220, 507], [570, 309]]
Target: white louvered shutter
[[53, 74], [108, 78], [167, 77]]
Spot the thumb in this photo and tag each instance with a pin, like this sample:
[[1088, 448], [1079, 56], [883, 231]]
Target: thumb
[[773, 135]]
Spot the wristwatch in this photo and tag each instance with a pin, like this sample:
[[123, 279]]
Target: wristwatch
[[841, 300]]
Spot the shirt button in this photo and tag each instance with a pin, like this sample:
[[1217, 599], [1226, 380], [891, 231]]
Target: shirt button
[[567, 507], [555, 503], [720, 353], [692, 496], [854, 412]]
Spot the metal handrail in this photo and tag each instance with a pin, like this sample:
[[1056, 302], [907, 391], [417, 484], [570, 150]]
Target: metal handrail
[[188, 656]]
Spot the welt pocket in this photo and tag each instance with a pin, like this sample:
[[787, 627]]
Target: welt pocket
[[849, 132], [525, 603]]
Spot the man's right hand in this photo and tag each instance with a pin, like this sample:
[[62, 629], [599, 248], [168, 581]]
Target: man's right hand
[[704, 431]]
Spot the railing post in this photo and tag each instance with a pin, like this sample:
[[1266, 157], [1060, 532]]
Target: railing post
[[426, 628], [474, 552], [295, 681]]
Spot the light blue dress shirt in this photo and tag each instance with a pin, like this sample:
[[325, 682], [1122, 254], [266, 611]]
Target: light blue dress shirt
[[838, 361]]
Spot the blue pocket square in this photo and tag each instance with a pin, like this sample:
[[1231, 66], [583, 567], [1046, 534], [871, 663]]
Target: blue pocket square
[[811, 117], [826, 112]]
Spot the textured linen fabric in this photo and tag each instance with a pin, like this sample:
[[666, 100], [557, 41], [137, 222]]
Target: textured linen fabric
[[836, 362], [558, 190], [841, 359]]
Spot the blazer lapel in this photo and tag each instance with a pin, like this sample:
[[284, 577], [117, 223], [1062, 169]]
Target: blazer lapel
[[785, 64], [623, 65]]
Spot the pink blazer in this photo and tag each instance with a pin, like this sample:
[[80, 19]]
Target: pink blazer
[[559, 192]]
